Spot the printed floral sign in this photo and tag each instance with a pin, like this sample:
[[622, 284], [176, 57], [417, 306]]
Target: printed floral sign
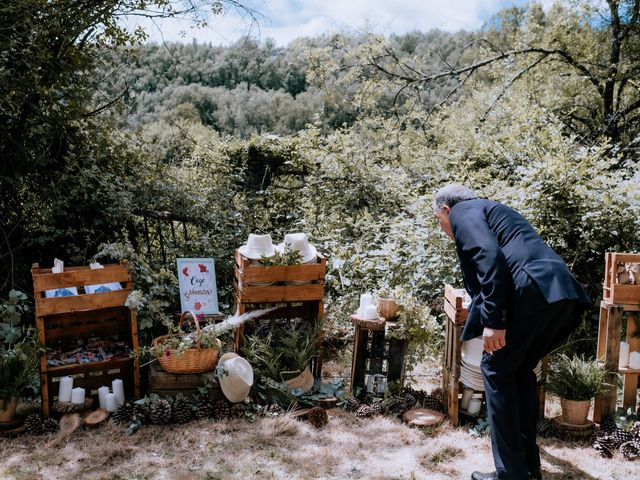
[[197, 280]]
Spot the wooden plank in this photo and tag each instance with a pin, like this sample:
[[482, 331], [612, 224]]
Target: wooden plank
[[630, 390], [87, 328], [80, 303], [453, 296], [360, 337], [606, 403], [619, 293], [89, 367], [625, 294], [458, 316], [602, 333], [161, 380], [281, 293], [80, 278], [279, 273]]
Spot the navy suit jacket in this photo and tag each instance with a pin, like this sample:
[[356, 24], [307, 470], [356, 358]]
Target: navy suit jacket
[[509, 271]]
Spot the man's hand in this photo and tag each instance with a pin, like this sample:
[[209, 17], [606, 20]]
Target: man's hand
[[493, 339]]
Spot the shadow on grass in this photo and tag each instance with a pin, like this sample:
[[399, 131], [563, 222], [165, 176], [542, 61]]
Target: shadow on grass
[[568, 471]]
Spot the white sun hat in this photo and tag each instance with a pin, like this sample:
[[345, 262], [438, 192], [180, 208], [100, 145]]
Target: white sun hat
[[235, 376], [299, 242], [257, 246]]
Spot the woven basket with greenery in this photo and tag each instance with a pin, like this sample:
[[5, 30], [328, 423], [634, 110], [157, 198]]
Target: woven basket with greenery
[[576, 378], [177, 353]]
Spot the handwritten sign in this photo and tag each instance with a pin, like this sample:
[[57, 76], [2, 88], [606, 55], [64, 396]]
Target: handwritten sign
[[197, 281]]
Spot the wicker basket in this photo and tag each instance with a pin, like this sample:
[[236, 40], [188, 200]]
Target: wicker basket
[[574, 412], [388, 308], [7, 409], [193, 360]]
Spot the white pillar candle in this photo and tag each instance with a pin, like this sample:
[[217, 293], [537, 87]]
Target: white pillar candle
[[474, 406], [624, 355], [111, 402], [77, 395], [66, 385], [467, 395], [634, 360], [118, 390], [102, 396], [369, 312], [365, 299]]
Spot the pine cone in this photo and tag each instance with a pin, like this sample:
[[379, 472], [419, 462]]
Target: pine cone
[[160, 412], [365, 411], [204, 407], [635, 430], [140, 411], [410, 399], [274, 410], [434, 403], [619, 436], [395, 406], [546, 428], [181, 411], [123, 414], [352, 404], [605, 446], [608, 425], [50, 425], [221, 409], [437, 393], [630, 451], [33, 424], [318, 417]]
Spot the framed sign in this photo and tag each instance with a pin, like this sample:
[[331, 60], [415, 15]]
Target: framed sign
[[197, 281]]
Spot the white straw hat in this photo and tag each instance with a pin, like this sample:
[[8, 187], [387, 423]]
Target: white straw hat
[[235, 376], [257, 246], [299, 242]]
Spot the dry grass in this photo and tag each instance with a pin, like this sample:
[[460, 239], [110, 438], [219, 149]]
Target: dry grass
[[284, 448]]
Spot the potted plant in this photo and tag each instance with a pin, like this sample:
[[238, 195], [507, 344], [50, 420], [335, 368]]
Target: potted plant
[[19, 351], [576, 381]]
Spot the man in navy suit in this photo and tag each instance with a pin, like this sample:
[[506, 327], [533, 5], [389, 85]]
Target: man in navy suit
[[524, 302]]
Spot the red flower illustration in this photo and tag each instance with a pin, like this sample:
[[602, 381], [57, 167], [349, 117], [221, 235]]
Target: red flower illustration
[[185, 271], [203, 268], [197, 306]]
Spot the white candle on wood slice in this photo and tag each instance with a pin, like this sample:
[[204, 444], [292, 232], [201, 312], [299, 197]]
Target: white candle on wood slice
[[118, 389], [365, 299], [624, 355], [77, 395], [66, 385], [634, 360], [474, 406], [111, 402], [102, 396], [467, 395]]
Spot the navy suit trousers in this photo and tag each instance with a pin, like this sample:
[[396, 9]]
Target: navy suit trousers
[[510, 387]]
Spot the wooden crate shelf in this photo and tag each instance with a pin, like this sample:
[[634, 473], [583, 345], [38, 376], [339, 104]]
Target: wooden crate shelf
[[85, 316], [452, 356], [612, 317], [290, 300], [616, 293], [374, 353]]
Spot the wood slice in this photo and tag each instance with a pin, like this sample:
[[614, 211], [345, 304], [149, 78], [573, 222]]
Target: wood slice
[[68, 407], [329, 402], [96, 417], [69, 423], [422, 417], [301, 414], [569, 432]]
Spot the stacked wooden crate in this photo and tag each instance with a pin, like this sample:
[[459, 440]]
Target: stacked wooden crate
[[81, 317]]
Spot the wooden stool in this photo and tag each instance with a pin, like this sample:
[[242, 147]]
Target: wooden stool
[[374, 354]]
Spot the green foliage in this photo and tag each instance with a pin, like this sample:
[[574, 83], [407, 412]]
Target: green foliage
[[19, 348], [282, 349], [576, 378], [287, 257]]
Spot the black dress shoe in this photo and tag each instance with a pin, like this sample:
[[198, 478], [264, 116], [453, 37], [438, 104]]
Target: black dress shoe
[[484, 476]]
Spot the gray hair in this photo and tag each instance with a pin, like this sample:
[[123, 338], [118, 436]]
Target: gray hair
[[451, 194]]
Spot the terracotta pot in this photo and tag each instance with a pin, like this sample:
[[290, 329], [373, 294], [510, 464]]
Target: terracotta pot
[[575, 412], [7, 409]]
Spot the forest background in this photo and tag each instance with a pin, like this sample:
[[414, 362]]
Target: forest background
[[112, 149]]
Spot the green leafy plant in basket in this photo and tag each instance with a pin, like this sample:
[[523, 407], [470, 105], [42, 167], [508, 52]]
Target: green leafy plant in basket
[[576, 378]]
